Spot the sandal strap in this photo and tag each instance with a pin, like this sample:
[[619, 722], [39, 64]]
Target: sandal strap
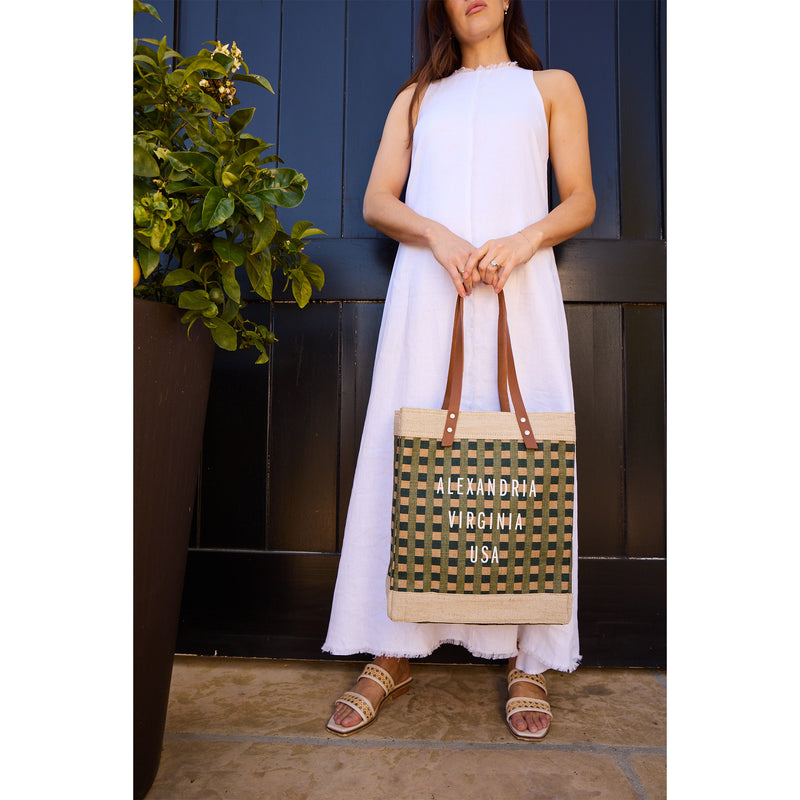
[[359, 703], [517, 704], [518, 676], [380, 676]]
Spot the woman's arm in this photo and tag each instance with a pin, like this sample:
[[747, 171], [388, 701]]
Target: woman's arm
[[569, 156], [384, 210]]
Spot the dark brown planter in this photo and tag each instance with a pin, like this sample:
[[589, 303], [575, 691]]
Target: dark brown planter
[[171, 376]]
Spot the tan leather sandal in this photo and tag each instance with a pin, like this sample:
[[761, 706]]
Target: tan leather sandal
[[362, 705], [516, 704]]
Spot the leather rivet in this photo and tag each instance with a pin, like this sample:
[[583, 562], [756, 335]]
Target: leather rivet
[[452, 416], [522, 419], [449, 430], [527, 433]]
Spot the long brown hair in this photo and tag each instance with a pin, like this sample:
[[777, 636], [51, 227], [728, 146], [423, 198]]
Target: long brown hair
[[439, 53]]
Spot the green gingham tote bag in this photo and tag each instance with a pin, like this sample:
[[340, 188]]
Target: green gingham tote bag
[[482, 507]]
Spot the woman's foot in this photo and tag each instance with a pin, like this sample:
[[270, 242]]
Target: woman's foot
[[532, 721], [398, 668]]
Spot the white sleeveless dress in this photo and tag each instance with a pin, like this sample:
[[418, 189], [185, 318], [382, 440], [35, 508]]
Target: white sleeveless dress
[[478, 166]]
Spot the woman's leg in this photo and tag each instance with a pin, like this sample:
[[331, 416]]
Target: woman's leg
[[398, 668]]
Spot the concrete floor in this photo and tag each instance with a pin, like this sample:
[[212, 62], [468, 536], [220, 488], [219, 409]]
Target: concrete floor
[[254, 729]]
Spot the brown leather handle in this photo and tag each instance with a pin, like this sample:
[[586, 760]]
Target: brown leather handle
[[506, 376]]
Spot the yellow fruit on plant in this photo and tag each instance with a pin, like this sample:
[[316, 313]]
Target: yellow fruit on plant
[[137, 272]]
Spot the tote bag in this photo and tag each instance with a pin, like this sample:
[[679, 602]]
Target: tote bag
[[482, 508]]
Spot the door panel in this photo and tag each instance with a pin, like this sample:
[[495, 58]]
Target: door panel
[[581, 34], [378, 35], [639, 109], [304, 433], [645, 431], [310, 102], [256, 29], [360, 326], [232, 504], [595, 335]]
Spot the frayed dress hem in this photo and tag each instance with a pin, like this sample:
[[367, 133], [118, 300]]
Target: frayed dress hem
[[379, 651]]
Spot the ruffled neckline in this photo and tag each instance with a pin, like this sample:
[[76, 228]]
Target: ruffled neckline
[[486, 68]]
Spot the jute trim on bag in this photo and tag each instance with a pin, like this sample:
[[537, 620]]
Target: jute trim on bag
[[429, 423], [533, 609]]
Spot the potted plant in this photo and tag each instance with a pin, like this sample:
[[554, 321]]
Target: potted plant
[[206, 238], [205, 193]]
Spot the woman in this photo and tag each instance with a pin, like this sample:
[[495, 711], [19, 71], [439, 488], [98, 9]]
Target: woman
[[472, 130]]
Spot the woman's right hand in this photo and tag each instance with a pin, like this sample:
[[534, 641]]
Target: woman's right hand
[[453, 253]]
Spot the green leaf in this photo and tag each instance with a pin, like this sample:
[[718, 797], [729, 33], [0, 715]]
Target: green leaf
[[175, 79], [176, 209], [231, 286], [195, 163], [161, 136], [168, 53], [190, 317], [196, 300], [222, 333], [140, 6], [142, 237], [257, 79], [218, 170], [142, 214], [217, 207], [145, 59], [201, 133], [285, 187], [302, 228], [195, 222], [248, 137], [266, 334], [229, 252], [301, 287], [160, 233], [286, 198], [254, 204], [207, 101], [148, 260], [240, 119], [250, 156], [143, 163], [225, 61], [194, 63], [314, 274], [263, 233], [159, 204], [177, 277], [285, 176], [259, 271], [229, 310], [187, 188]]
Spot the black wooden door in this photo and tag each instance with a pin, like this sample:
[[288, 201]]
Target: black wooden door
[[281, 440]]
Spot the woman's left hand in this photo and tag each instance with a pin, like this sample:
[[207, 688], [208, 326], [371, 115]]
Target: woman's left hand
[[506, 253]]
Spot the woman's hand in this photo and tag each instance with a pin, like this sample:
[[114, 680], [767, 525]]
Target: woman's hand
[[495, 260], [453, 253]]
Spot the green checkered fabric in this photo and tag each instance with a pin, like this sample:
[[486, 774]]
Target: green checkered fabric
[[483, 517]]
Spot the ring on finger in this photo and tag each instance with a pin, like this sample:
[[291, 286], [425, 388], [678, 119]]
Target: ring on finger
[[494, 263]]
